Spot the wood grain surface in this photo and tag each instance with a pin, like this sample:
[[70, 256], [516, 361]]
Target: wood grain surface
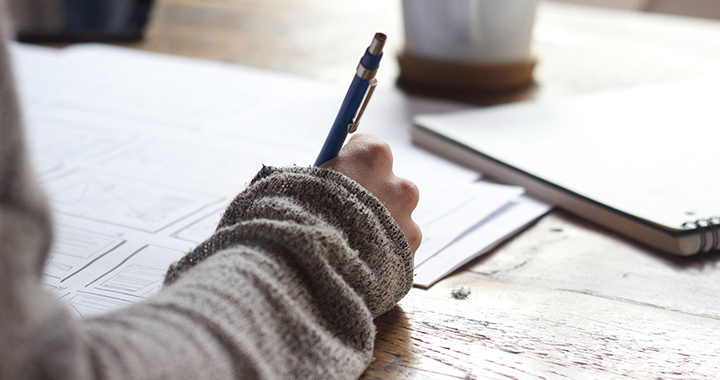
[[565, 299]]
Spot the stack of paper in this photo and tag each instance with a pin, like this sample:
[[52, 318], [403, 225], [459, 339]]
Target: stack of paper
[[140, 153]]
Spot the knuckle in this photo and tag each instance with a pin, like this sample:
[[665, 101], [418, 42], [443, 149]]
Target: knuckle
[[376, 153], [414, 236], [408, 192]]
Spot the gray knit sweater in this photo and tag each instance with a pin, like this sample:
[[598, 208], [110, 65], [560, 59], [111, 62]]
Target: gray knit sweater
[[287, 287]]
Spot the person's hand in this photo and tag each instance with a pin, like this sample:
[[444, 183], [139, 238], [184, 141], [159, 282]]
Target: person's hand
[[368, 160]]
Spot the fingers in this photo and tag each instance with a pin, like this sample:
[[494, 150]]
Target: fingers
[[405, 195], [368, 160], [413, 234]]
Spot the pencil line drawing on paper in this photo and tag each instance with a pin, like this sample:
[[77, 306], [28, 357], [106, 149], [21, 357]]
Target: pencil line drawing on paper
[[88, 304], [140, 274], [135, 280], [200, 229], [124, 202], [74, 250]]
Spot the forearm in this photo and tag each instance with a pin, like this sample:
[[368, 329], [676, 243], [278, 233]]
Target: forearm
[[286, 288], [239, 314], [349, 229]]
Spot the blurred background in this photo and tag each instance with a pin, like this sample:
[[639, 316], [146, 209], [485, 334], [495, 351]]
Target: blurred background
[[79, 20], [582, 45], [695, 8]]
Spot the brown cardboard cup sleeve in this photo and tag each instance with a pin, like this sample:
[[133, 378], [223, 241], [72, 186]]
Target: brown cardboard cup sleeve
[[425, 73]]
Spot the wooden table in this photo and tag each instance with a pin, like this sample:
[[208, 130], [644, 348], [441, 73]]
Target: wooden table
[[564, 299]]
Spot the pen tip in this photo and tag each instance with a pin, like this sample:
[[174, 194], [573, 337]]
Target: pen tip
[[377, 44]]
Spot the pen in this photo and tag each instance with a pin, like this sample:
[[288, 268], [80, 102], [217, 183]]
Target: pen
[[362, 87]]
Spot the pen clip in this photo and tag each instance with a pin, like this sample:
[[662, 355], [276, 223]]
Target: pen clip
[[353, 126]]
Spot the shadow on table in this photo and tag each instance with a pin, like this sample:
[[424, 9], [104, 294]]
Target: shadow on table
[[393, 355]]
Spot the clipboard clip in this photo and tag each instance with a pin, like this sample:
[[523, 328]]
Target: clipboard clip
[[353, 126]]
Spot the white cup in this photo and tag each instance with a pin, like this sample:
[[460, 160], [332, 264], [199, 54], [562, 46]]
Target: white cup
[[469, 31]]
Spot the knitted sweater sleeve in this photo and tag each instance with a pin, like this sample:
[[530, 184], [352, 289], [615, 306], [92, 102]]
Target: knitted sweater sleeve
[[287, 287]]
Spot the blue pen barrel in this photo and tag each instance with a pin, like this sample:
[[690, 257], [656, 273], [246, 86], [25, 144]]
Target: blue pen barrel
[[353, 99], [371, 62], [339, 130]]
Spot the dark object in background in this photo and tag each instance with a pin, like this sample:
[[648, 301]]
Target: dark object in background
[[66, 21]]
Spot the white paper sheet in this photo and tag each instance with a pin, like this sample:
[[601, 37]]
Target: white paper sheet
[[480, 239], [452, 211], [140, 153]]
